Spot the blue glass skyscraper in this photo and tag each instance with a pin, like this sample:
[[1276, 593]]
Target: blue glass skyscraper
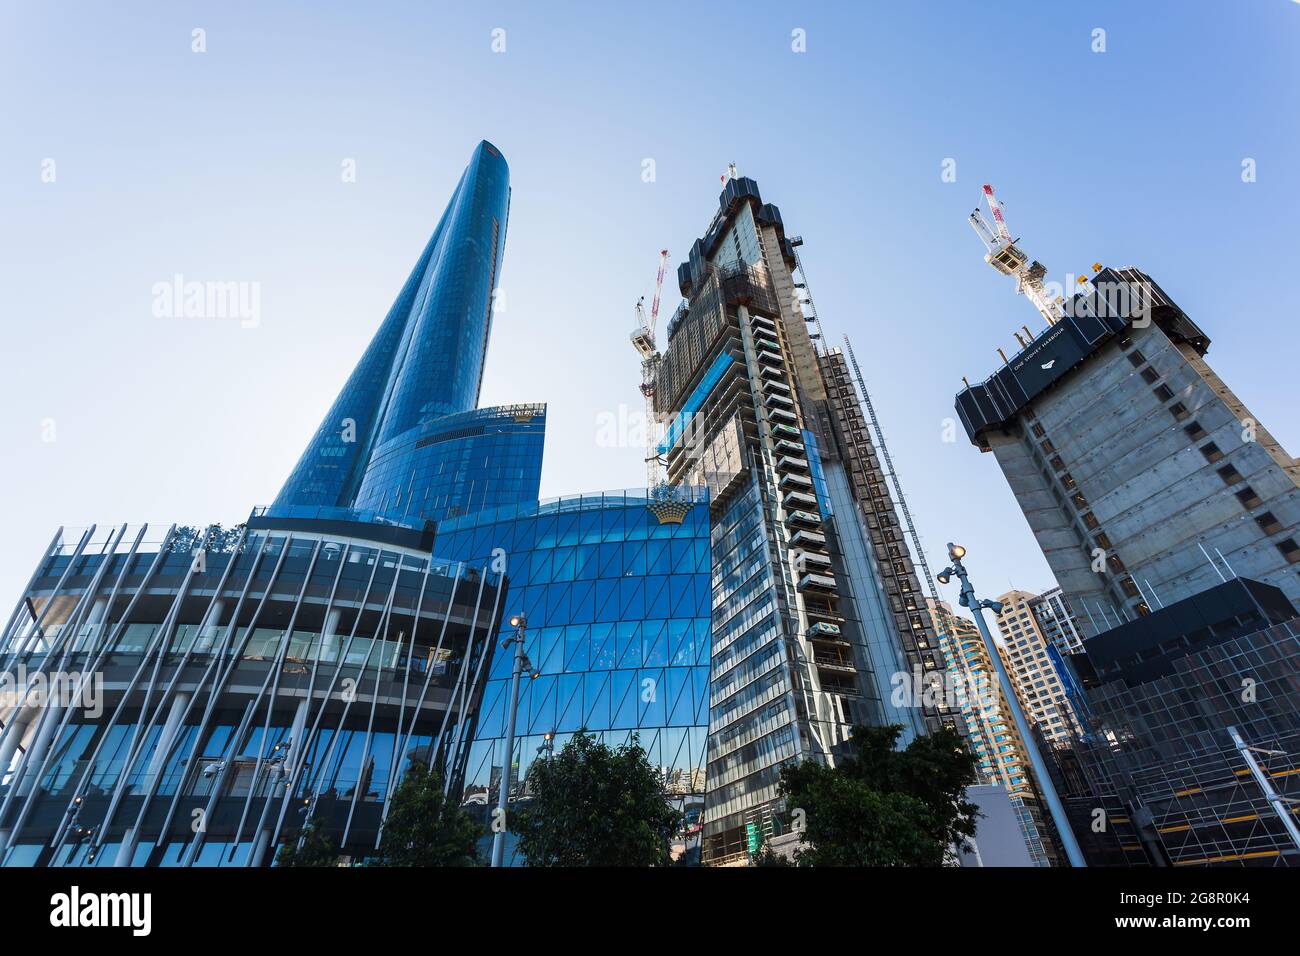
[[382, 444]]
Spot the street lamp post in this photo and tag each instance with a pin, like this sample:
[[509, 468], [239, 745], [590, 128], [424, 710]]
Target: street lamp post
[[976, 606], [522, 664]]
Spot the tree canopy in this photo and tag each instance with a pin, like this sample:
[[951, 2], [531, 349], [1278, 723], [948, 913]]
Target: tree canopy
[[884, 806], [315, 846], [595, 805], [424, 828]]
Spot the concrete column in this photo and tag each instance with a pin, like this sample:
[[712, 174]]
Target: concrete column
[[13, 736], [171, 727], [48, 717], [330, 642], [94, 620], [127, 850], [259, 847], [299, 727], [208, 630]]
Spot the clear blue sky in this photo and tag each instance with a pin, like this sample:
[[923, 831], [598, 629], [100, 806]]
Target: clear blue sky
[[226, 166]]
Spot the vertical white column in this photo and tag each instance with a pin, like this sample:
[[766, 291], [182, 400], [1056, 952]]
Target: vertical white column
[[208, 630], [48, 718], [12, 737], [94, 620], [330, 638], [167, 737], [259, 847]]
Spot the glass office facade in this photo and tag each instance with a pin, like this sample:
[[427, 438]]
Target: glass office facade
[[457, 465], [283, 670], [618, 608], [426, 360]]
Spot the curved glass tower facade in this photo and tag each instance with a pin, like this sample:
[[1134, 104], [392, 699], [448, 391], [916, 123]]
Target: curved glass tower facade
[[426, 360], [457, 465]]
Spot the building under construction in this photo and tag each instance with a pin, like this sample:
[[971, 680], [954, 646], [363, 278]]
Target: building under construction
[[1192, 755], [1150, 488], [818, 608]]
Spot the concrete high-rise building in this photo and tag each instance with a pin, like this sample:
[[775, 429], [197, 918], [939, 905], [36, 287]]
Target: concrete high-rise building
[[1025, 651], [816, 606], [991, 730], [1057, 622], [1143, 476]]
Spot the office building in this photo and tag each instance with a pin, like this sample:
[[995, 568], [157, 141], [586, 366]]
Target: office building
[[242, 680], [294, 667], [387, 444], [617, 605]]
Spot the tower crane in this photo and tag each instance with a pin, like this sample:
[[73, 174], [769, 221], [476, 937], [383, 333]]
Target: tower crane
[[643, 339], [1005, 255]]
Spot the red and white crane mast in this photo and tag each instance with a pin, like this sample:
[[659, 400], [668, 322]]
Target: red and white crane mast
[[643, 339], [1005, 255]]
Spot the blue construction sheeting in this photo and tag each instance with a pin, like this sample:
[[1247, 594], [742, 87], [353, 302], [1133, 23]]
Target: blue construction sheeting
[[694, 402]]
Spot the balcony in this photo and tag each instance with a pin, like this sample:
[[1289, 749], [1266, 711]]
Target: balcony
[[790, 463], [782, 416], [770, 358], [791, 448], [784, 431], [817, 582], [834, 662], [772, 372], [795, 482], [778, 401], [808, 539], [778, 387], [813, 559], [798, 501], [807, 519]]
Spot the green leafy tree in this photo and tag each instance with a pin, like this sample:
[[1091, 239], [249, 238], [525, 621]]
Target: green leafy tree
[[595, 805], [424, 828], [884, 806], [769, 857], [316, 846]]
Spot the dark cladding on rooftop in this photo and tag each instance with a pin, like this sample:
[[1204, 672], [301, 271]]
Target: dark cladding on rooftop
[[1117, 297]]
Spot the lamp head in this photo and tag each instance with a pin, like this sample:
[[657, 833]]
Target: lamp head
[[518, 620], [944, 576], [956, 551]]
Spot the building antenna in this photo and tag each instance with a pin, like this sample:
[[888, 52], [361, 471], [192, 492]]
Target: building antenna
[[908, 524]]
